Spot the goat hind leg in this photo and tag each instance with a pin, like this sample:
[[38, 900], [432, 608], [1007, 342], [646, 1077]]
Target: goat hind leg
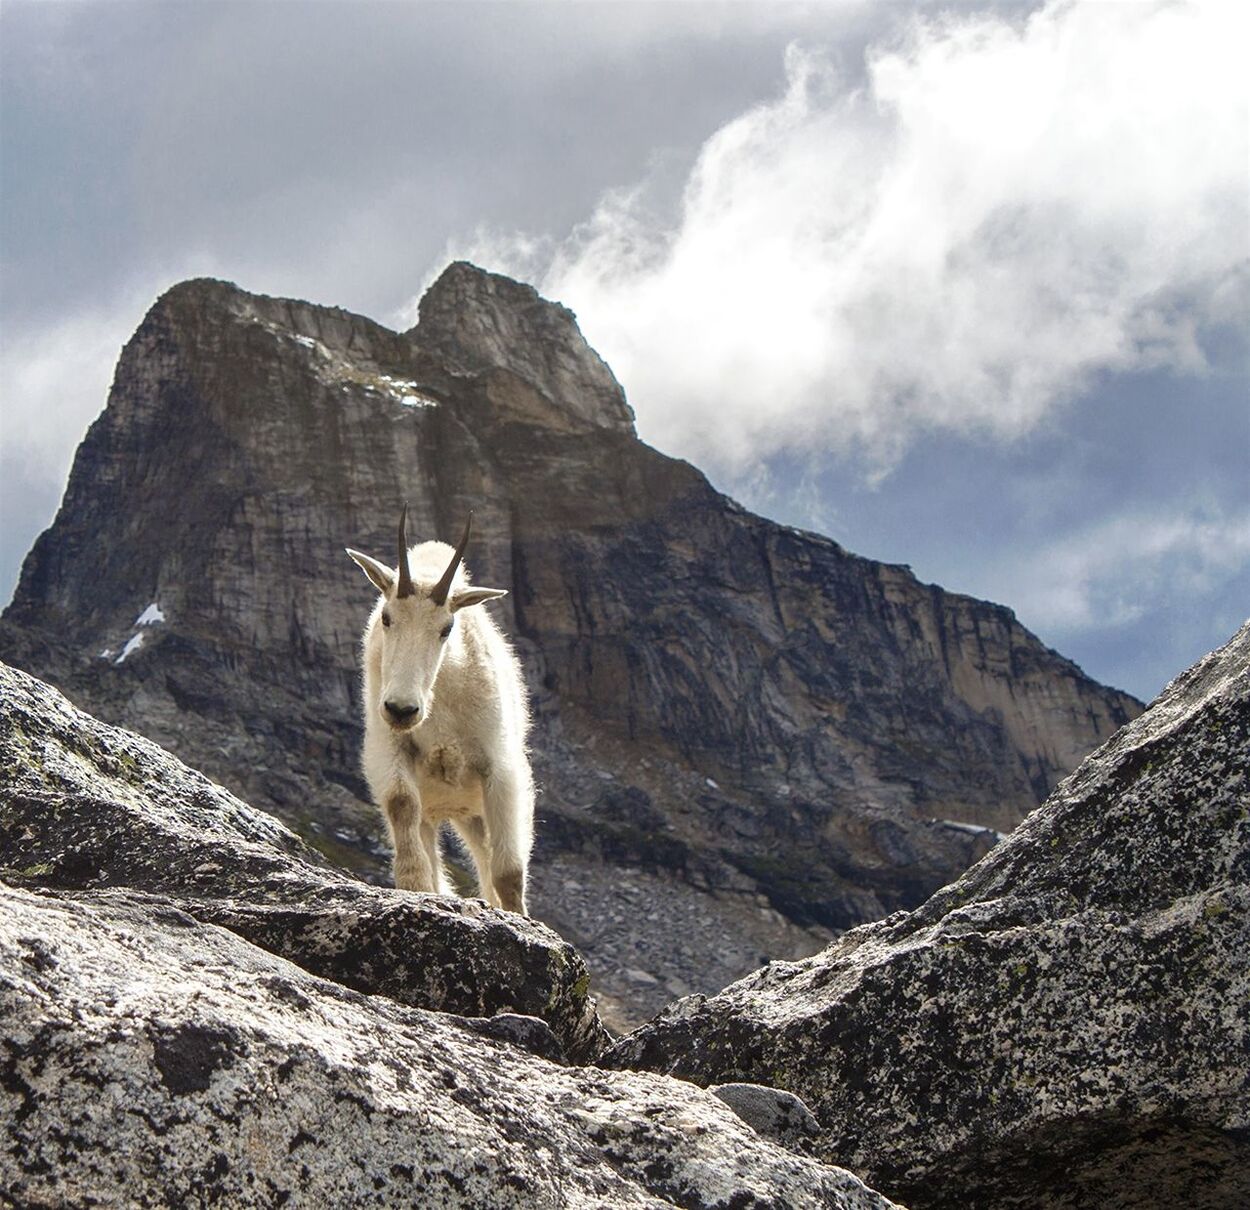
[[473, 832]]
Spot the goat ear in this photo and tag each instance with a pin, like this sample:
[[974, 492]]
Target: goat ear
[[465, 597], [382, 576]]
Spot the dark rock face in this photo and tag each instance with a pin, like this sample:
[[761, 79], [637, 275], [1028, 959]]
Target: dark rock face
[[777, 737], [1068, 1024], [150, 1060], [86, 806]]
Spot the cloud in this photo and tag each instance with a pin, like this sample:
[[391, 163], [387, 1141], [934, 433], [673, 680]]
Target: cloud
[[61, 375], [323, 151], [997, 212], [54, 380], [1124, 567]]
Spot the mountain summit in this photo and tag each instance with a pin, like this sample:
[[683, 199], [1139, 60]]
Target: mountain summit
[[745, 735], [477, 322]]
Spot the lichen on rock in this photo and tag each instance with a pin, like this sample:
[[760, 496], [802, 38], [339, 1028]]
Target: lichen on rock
[[148, 1059]]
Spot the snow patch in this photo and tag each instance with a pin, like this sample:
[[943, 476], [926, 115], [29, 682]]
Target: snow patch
[[973, 829], [407, 392], [306, 341], [153, 615], [132, 645]]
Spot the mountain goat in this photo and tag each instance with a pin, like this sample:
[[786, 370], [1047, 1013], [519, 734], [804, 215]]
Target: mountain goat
[[445, 722]]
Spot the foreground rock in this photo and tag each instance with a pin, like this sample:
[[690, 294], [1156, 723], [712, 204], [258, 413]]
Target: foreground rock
[[1066, 1025], [147, 1059], [84, 805], [779, 737]]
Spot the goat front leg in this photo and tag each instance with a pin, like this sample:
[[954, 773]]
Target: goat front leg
[[414, 869], [414, 841], [509, 803], [434, 855]]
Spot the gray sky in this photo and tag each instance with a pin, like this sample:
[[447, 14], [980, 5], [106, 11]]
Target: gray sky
[[965, 288]]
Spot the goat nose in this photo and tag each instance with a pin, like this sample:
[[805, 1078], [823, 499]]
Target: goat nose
[[401, 712]]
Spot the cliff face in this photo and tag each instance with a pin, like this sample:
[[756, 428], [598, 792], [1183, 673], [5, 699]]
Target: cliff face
[[770, 735]]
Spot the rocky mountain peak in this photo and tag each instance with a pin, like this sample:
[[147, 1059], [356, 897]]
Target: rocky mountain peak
[[200, 310], [742, 730], [480, 322]]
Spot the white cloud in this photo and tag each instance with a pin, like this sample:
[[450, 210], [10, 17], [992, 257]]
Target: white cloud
[[54, 379], [55, 374], [1124, 567], [1000, 210]]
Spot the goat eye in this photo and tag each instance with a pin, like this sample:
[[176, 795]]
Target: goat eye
[[386, 618], [446, 630]]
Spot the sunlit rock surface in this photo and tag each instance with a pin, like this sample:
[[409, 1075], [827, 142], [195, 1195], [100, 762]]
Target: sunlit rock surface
[[149, 1058], [84, 805]]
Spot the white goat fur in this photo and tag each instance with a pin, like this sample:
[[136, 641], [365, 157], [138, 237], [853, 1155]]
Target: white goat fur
[[464, 761]]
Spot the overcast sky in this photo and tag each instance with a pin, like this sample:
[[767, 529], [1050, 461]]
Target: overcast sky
[[963, 286]]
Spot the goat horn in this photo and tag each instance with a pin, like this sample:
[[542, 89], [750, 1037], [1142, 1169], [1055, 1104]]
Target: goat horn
[[438, 594], [405, 588]]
